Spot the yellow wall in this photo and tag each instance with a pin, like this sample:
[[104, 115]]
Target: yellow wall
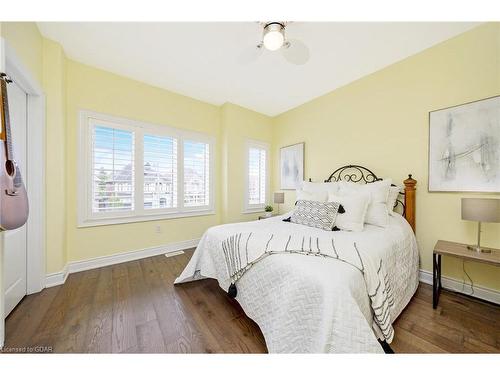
[[26, 40], [238, 125], [97, 90], [93, 89], [381, 121], [54, 83]]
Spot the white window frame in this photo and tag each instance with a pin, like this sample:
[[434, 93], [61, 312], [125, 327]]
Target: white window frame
[[252, 208], [88, 218]]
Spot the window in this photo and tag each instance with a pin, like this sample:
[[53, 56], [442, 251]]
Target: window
[[257, 176], [196, 174], [132, 171], [112, 170], [160, 172]]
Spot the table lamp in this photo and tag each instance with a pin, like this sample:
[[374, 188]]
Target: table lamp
[[480, 210], [279, 198]]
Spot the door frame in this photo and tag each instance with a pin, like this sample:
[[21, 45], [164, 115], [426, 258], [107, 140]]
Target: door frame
[[35, 165]]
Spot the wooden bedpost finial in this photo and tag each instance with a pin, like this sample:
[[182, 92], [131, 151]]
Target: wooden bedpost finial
[[410, 184]]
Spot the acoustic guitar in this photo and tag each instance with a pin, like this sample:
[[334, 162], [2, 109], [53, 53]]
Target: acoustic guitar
[[14, 206]]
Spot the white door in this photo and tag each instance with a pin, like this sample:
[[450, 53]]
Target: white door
[[15, 250]]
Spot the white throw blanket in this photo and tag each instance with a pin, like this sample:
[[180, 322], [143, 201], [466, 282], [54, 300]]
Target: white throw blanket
[[340, 298]]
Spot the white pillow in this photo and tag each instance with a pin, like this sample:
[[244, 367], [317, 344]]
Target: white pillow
[[377, 213], [328, 187], [393, 197], [317, 196], [355, 206]]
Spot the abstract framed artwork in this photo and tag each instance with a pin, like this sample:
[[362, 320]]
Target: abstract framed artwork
[[292, 166], [464, 147]]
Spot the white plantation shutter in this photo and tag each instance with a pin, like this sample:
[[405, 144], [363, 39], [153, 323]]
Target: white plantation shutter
[[257, 176], [112, 169], [131, 171], [196, 174], [160, 172]]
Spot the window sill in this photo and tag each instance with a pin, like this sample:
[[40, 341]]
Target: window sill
[[142, 218]]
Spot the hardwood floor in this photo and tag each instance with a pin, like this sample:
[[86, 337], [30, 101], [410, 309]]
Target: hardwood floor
[[134, 307]]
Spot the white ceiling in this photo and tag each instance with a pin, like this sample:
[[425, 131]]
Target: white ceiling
[[200, 60]]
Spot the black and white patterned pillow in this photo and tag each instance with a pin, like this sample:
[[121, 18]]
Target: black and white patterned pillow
[[315, 214]]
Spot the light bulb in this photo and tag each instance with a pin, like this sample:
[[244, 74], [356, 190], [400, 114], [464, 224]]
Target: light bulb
[[273, 36]]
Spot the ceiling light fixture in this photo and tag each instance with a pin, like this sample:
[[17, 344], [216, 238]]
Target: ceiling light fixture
[[274, 36]]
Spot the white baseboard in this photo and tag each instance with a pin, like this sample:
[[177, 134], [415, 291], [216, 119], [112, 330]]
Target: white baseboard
[[174, 253], [59, 278], [56, 278], [455, 285]]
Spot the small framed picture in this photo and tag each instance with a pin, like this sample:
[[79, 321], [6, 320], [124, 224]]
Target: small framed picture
[[292, 166]]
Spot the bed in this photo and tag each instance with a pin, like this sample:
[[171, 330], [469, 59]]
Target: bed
[[317, 291]]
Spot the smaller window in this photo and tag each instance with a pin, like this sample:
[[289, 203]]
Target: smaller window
[[257, 175]]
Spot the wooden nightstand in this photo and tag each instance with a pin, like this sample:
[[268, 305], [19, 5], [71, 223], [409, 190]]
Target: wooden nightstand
[[458, 250]]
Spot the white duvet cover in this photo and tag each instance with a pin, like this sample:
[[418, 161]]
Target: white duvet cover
[[315, 304]]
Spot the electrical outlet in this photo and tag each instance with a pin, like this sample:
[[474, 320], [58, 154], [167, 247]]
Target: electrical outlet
[[158, 229]]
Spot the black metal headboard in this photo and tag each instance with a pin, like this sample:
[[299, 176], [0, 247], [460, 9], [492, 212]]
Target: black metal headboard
[[353, 173], [358, 173]]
